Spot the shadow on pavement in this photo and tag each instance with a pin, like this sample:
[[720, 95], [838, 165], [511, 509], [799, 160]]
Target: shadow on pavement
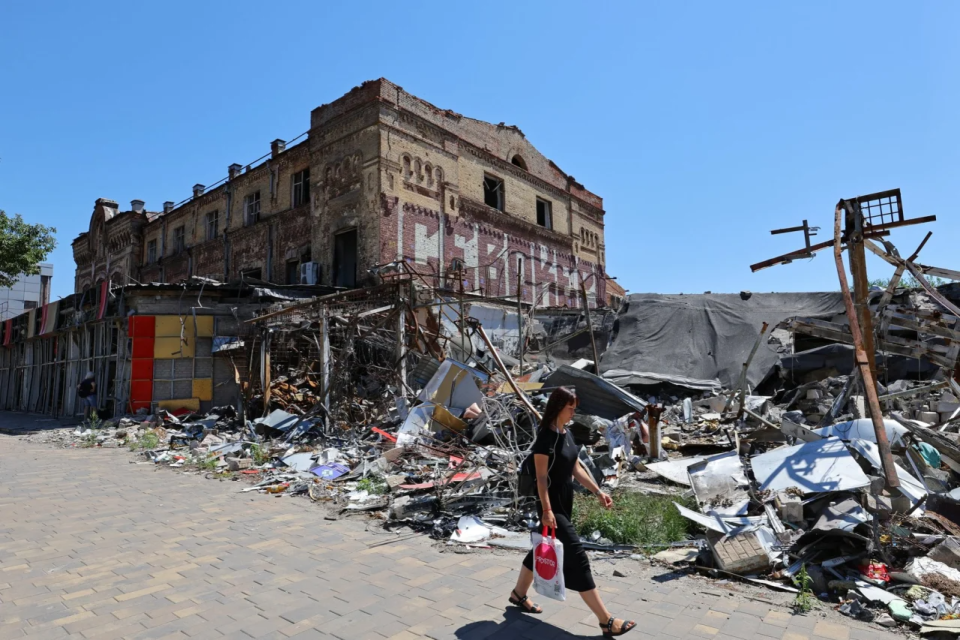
[[516, 624], [21, 424]]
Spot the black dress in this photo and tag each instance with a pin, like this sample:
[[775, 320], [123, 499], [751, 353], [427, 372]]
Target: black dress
[[563, 453]]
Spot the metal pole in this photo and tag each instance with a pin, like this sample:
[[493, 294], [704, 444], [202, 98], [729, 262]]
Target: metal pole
[[401, 354], [742, 381], [586, 310], [653, 428], [265, 371], [520, 310], [869, 385], [858, 268]]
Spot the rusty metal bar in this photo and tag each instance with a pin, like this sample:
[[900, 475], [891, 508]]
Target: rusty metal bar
[[861, 286], [593, 339], [902, 223], [804, 253], [869, 385]]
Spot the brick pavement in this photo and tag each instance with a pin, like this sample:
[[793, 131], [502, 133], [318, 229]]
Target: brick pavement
[[93, 545]]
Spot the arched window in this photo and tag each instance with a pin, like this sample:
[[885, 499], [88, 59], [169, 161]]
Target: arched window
[[519, 161]]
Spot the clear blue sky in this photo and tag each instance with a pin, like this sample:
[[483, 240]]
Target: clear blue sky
[[702, 125]]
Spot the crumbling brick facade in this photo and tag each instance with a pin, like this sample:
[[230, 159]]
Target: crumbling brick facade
[[381, 177]]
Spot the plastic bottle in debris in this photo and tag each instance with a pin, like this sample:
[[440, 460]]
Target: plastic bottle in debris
[[687, 410]]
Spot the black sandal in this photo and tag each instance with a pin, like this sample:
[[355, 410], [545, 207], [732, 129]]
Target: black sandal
[[524, 603], [608, 628]]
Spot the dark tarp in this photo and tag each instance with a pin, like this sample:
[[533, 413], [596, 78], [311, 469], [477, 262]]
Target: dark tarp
[[598, 397], [706, 337]]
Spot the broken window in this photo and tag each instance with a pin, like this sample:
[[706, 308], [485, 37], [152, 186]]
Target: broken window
[[151, 252], [345, 259], [213, 224], [293, 272], [544, 214], [179, 239], [493, 192], [251, 208], [301, 187], [250, 274]]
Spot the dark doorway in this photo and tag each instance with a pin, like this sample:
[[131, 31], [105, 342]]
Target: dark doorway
[[293, 272], [345, 259]]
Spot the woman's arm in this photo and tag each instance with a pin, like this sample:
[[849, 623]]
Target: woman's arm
[[542, 464], [585, 478]]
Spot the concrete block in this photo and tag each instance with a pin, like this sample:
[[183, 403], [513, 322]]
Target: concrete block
[[858, 405], [947, 552], [929, 416], [900, 504], [877, 504], [789, 508], [238, 464], [742, 553]]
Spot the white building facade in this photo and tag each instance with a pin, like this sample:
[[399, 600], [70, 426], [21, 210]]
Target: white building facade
[[28, 292]]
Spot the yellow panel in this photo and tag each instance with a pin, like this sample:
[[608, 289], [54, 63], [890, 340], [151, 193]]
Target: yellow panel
[[204, 326], [171, 348], [169, 326], [203, 388], [193, 404]]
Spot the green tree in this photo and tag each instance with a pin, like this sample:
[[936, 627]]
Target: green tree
[[23, 247], [909, 282]]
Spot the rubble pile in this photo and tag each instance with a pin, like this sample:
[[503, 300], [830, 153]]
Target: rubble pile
[[417, 406]]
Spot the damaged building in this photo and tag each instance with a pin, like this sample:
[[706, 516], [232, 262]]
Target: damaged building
[[383, 186], [381, 177]]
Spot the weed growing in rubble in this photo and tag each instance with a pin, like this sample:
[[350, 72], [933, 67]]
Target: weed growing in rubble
[[148, 440], [259, 455], [89, 440], [374, 485], [93, 422], [805, 599], [208, 465], [635, 518]]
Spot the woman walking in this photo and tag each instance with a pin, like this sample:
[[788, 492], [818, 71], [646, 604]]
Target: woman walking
[[555, 457]]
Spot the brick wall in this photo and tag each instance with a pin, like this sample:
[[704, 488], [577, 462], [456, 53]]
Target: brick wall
[[491, 255]]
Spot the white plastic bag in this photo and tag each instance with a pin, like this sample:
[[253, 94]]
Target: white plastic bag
[[548, 565]]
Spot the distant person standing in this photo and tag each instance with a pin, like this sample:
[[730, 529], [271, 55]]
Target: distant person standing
[[87, 392]]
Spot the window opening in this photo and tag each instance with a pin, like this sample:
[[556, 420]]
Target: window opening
[[493, 192]]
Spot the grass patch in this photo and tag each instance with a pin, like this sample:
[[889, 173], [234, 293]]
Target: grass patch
[[208, 465], [634, 519]]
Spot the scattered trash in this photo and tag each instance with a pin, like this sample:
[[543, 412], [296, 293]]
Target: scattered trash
[[415, 406]]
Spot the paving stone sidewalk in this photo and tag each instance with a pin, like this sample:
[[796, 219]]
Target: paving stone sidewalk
[[93, 545]]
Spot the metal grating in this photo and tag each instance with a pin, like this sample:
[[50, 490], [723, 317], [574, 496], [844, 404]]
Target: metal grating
[[204, 347], [162, 369], [881, 208], [183, 368], [204, 367], [182, 389]]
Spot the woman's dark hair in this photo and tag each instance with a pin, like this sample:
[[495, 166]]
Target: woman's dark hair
[[561, 397]]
